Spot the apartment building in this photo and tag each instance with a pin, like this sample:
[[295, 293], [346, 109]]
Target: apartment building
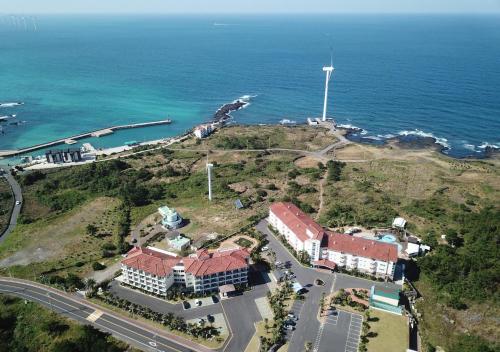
[[156, 271], [329, 249]]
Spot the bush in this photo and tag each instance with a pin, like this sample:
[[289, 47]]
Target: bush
[[98, 266]]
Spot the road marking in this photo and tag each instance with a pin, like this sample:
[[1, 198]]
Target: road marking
[[125, 337], [95, 315], [353, 334]]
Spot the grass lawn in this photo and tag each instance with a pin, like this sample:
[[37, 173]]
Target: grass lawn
[[260, 330], [392, 332]]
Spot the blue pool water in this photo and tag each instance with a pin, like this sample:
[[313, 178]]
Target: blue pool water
[[395, 74], [388, 238]]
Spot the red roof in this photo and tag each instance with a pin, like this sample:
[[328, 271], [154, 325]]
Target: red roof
[[326, 263], [150, 261], [203, 263], [297, 221], [361, 247]]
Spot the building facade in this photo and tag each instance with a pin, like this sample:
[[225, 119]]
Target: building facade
[[329, 249], [63, 155], [156, 271]]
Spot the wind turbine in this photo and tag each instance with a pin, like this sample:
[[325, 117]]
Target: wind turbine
[[209, 172], [329, 71]]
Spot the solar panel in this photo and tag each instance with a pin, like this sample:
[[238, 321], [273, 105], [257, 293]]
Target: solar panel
[[238, 204]]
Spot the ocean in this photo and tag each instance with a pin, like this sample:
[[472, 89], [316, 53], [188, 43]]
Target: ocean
[[429, 75]]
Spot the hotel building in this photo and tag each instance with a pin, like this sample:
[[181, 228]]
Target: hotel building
[[329, 249], [156, 271]]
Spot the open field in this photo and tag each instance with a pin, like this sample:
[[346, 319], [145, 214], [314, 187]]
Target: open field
[[6, 202], [391, 330]]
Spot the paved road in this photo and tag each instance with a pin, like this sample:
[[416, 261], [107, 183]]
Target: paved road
[[136, 333], [308, 326], [18, 196]]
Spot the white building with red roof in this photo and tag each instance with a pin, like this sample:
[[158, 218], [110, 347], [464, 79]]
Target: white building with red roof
[[328, 249], [154, 270]]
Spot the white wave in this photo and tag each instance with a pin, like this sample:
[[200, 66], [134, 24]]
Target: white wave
[[386, 136], [375, 138], [420, 133], [9, 105], [485, 145], [245, 99], [352, 127], [469, 146]]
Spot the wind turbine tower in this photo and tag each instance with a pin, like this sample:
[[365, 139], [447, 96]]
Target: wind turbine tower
[[329, 71], [209, 171]]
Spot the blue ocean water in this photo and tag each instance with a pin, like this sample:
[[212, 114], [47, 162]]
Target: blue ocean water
[[394, 74]]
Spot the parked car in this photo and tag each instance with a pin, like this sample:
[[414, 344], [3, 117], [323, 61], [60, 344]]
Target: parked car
[[18, 202], [277, 263], [198, 302], [265, 248], [292, 316], [289, 327]]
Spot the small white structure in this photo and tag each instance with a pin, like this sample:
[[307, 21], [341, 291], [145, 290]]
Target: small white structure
[[170, 218], [329, 71], [312, 122], [179, 243], [412, 249], [203, 131], [399, 223]]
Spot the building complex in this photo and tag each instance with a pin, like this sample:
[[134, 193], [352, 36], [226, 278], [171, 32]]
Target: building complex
[[330, 249], [155, 271]]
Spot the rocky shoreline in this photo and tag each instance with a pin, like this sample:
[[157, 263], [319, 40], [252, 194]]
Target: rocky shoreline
[[224, 112], [414, 142]]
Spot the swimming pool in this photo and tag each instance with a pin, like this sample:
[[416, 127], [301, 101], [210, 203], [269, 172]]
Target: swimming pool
[[387, 237], [390, 238]]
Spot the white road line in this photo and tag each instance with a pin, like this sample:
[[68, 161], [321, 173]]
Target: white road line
[[79, 317]]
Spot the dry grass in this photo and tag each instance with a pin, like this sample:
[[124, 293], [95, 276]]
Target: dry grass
[[59, 242]]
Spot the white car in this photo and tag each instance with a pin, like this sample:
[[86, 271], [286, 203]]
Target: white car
[[197, 302], [265, 248], [18, 202]]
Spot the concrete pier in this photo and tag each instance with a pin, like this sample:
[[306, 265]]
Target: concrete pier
[[95, 133]]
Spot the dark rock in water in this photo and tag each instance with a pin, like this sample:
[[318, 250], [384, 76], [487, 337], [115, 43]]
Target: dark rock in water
[[417, 142], [224, 111], [491, 152]]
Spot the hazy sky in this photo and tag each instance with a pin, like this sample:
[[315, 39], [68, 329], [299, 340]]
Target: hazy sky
[[247, 6]]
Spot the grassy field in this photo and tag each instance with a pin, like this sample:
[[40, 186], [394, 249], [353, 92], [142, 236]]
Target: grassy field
[[6, 203], [392, 332], [60, 244]]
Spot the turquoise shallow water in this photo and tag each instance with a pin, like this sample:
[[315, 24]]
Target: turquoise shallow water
[[427, 75]]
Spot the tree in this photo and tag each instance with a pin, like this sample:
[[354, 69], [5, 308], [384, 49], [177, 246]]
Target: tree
[[91, 229], [308, 346], [89, 284]]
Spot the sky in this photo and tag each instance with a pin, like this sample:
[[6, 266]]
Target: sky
[[248, 6]]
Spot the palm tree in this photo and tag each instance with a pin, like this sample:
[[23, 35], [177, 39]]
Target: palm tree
[[89, 284], [266, 326]]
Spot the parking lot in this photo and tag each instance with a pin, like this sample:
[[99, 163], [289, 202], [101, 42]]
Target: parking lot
[[340, 332]]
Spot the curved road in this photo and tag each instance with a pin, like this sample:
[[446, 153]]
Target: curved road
[[18, 196], [138, 334]]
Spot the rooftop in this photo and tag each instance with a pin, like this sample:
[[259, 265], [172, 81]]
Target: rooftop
[[202, 263], [299, 222], [361, 247]]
